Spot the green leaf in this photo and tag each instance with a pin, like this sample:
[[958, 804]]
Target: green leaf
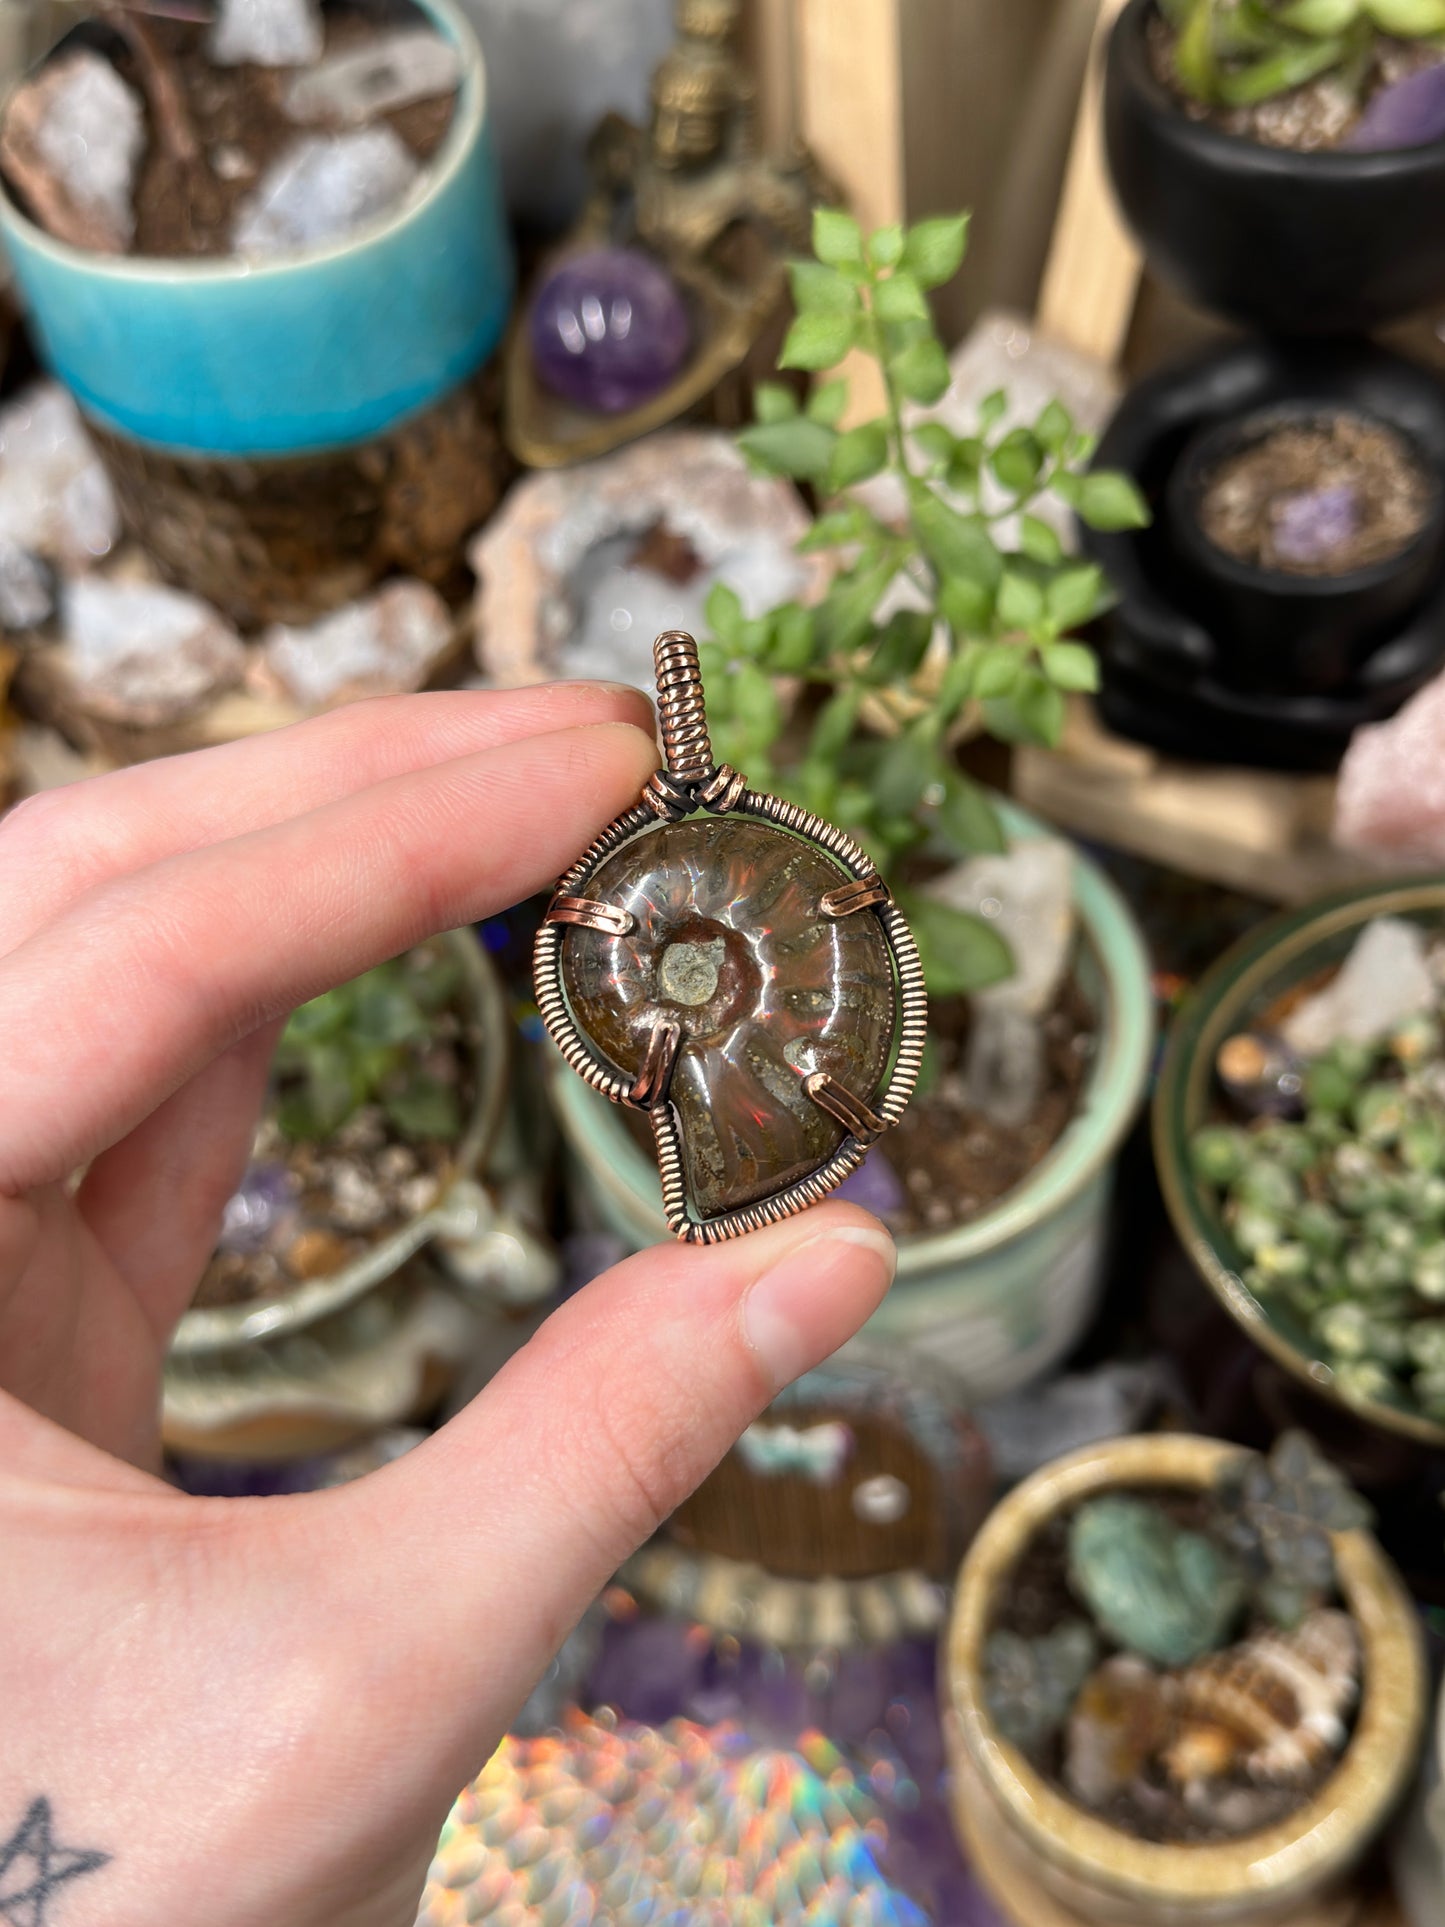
[[921, 372], [962, 954], [857, 455], [1320, 16], [968, 819], [1032, 713], [817, 341], [1017, 461], [773, 401], [425, 1108], [933, 250], [819, 290], [326, 1100], [839, 526], [716, 664], [835, 724], [837, 237], [885, 246], [1276, 73], [967, 465], [1020, 601], [956, 685], [1054, 427], [724, 614], [755, 704], [827, 402], [1411, 19], [900, 298], [901, 777], [385, 1013], [791, 648], [966, 606], [901, 646], [846, 612], [799, 448], [1076, 596], [992, 409], [1039, 542], [1108, 500], [1194, 59], [322, 1017], [956, 545], [934, 443], [1069, 665], [999, 669]]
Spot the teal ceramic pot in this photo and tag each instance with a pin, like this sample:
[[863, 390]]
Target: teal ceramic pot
[[1004, 1298], [317, 351]]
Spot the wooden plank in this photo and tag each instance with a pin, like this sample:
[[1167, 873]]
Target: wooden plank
[[1250, 830], [1091, 279]]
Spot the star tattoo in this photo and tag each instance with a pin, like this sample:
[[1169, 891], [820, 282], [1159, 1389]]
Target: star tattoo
[[32, 1867]]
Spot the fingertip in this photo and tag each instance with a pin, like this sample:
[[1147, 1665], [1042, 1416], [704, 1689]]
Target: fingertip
[[817, 1292]]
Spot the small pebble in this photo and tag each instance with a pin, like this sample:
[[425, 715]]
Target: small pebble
[[316, 1254]]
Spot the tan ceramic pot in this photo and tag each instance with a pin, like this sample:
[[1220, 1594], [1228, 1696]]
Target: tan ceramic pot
[[1052, 1863]]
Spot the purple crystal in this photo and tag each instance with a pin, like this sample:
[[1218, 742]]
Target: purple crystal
[[609, 330], [1406, 113], [1311, 525], [258, 1208], [875, 1185]]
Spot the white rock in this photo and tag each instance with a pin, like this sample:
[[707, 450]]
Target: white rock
[[1004, 1067], [1027, 894], [142, 654], [386, 644], [73, 139], [559, 592], [1385, 979], [323, 188], [266, 33], [55, 498], [357, 86]]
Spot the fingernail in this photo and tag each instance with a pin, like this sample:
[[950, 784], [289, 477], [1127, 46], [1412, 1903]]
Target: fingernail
[[606, 688], [815, 1298]]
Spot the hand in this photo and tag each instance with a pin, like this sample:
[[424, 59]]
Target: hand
[[271, 1704]]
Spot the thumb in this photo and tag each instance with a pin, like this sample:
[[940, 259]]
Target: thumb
[[520, 1510]]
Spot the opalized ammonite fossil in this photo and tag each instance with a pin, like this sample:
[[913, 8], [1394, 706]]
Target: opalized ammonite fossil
[[742, 975]]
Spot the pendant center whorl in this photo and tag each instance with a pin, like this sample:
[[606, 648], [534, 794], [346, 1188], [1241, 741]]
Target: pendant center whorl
[[688, 971]]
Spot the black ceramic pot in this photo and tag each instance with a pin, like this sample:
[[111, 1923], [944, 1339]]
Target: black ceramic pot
[[1175, 675], [1277, 629], [1328, 243]]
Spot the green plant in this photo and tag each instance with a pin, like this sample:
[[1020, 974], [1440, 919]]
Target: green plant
[[1279, 1513], [996, 618], [367, 1042], [1236, 53], [1030, 1684]]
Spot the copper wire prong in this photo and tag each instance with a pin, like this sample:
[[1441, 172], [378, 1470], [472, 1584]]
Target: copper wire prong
[[861, 894], [839, 1102], [651, 1085], [591, 915]]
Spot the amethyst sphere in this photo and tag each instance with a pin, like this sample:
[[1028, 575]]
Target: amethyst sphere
[[609, 330]]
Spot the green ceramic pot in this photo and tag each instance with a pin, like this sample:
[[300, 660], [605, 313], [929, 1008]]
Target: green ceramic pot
[[1055, 1864], [1268, 962], [1004, 1298]]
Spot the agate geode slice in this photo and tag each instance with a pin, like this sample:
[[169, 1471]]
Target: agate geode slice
[[729, 942]]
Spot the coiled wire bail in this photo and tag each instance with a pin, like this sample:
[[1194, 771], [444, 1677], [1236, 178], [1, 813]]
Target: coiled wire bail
[[690, 777]]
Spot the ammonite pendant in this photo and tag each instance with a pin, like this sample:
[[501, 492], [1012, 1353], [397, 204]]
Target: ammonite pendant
[[736, 968]]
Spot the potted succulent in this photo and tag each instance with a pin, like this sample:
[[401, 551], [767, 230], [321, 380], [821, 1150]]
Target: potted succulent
[[271, 273], [1182, 1684], [316, 1319], [933, 626], [1299, 1131], [1282, 161]]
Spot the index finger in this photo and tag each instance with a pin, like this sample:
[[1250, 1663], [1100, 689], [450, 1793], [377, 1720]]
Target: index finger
[[144, 980]]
